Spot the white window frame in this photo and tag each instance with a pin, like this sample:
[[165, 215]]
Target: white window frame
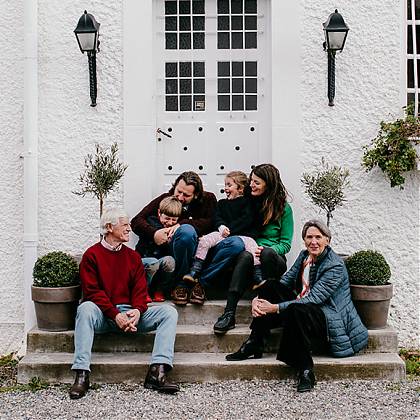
[[413, 25]]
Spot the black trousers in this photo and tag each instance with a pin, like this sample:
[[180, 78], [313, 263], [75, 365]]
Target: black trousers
[[273, 266], [304, 326]]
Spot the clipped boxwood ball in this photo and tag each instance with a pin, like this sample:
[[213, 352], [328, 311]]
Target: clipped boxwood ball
[[56, 269], [368, 268]]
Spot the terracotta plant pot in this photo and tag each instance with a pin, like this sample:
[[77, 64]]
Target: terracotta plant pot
[[372, 304], [55, 307]]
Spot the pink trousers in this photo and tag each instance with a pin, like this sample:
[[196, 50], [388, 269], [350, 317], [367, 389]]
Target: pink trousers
[[212, 239]]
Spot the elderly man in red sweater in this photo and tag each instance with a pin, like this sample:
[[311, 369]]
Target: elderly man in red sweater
[[114, 299]]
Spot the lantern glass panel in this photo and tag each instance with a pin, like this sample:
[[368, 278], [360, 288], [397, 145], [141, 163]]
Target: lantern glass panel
[[336, 40], [87, 41]]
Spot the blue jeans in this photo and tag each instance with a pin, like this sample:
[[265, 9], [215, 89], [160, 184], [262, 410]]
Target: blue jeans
[[223, 254], [90, 320], [183, 246]]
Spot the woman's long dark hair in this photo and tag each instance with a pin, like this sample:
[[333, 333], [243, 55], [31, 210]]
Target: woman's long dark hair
[[274, 197]]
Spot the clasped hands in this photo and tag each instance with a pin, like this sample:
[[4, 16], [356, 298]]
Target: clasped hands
[[261, 307], [164, 235], [127, 321]]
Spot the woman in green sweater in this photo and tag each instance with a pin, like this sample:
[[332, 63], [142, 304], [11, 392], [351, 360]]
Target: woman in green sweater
[[274, 240]]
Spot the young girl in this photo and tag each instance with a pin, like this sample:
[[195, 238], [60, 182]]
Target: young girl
[[234, 215]]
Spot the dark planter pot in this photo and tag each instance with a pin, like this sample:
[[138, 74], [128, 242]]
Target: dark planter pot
[[55, 307], [372, 304]]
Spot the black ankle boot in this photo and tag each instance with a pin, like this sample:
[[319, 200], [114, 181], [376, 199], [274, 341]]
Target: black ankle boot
[[156, 379], [306, 380], [81, 385], [192, 276], [251, 348], [225, 322]]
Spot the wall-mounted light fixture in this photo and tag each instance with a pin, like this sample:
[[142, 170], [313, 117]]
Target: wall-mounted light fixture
[[335, 30], [87, 35]]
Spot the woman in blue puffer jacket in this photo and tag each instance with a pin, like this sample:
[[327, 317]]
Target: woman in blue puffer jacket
[[312, 302]]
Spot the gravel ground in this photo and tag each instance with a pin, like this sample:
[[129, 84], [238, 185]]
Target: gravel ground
[[227, 400]]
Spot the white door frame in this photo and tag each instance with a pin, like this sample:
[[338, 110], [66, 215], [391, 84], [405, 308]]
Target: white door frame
[[139, 102]]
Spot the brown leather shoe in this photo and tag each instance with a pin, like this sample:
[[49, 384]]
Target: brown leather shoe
[[156, 379], [81, 385], [180, 295], [198, 295]]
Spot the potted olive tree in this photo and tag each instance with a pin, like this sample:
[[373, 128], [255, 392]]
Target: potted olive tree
[[56, 291], [325, 187], [371, 292], [103, 171]]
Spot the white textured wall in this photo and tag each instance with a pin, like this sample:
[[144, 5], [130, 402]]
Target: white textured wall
[[68, 126], [368, 81], [11, 176]]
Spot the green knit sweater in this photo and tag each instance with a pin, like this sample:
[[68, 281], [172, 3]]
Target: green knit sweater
[[278, 234]]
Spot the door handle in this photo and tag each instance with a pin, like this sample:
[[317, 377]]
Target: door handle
[[159, 131]]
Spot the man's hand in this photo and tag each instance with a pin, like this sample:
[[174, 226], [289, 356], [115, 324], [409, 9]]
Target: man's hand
[[170, 231], [261, 307], [161, 236], [127, 321], [258, 251]]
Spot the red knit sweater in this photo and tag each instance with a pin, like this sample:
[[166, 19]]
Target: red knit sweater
[[110, 278]]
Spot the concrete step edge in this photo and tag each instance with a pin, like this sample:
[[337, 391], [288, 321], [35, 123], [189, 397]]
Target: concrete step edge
[[207, 367]]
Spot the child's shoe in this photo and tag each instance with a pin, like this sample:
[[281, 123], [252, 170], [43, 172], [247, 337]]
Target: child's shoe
[[258, 280], [192, 276], [148, 299], [159, 296]]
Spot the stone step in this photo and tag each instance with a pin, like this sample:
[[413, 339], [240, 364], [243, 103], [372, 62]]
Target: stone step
[[189, 339], [208, 313], [207, 367]]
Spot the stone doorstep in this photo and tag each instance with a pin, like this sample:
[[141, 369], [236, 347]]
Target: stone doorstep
[[189, 339], [131, 367]]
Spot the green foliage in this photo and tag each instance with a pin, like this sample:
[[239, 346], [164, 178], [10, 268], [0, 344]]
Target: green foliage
[[35, 384], [56, 269], [103, 170], [325, 187], [368, 268], [412, 361], [8, 360], [391, 150]]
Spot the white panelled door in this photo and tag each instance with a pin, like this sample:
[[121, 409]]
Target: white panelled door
[[212, 66]]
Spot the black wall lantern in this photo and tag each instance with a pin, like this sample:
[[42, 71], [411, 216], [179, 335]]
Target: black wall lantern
[[335, 30], [87, 35]]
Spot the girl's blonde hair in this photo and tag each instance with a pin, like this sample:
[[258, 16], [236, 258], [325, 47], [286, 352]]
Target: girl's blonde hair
[[239, 178]]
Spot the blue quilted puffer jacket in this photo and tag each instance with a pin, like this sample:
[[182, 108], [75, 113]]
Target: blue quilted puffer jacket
[[329, 288]]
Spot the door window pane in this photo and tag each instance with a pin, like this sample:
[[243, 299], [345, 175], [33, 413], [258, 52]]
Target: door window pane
[[242, 22], [184, 23], [223, 41], [179, 90], [223, 85], [198, 69], [198, 7], [184, 7], [185, 31], [222, 7], [236, 85], [172, 103], [237, 68], [236, 6], [237, 102], [198, 41], [223, 102], [170, 24], [170, 7], [237, 40]]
